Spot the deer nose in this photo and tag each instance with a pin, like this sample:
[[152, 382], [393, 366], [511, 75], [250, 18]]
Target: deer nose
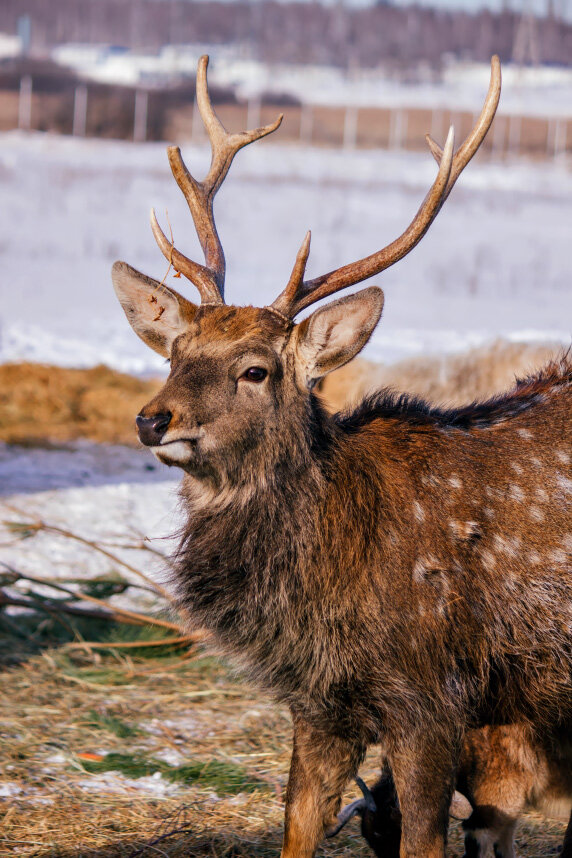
[[152, 429]]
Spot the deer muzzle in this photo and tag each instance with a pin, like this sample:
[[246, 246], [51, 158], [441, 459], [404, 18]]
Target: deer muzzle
[[152, 429]]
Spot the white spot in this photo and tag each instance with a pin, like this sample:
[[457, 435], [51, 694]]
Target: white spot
[[455, 482], [567, 542], [563, 457], [534, 460], [557, 555], [536, 513], [418, 511], [564, 483], [533, 557], [525, 433], [464, 529], [516, 493], [506, 546], [542, 495], [489, 561], [419, 571], [489, 512], [516, 467]]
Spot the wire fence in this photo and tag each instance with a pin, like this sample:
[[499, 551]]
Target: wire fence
[[141, 114]]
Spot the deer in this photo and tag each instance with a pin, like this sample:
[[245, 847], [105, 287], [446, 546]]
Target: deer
[[397, 574], [503, 769]]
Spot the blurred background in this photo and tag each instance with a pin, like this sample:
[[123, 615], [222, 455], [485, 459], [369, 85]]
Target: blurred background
[[90, 91]]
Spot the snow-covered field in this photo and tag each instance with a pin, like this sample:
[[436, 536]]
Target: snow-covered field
[[495, 263]]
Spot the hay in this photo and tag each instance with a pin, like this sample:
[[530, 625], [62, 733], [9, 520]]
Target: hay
[[43, 405], [447, 379]]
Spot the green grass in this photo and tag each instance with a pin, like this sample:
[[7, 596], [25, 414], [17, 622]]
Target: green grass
[[223, 778], [112, 724]]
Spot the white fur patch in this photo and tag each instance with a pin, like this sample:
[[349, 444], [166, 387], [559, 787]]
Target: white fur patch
[[174, 453]]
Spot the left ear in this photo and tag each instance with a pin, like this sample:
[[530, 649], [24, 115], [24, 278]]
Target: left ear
[[334, 334]]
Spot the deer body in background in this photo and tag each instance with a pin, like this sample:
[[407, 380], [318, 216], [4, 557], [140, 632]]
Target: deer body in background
[[503, 770], [395, 575]]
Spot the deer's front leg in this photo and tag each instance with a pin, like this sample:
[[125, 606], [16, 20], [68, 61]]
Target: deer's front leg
[[424, 768], [321, 766]]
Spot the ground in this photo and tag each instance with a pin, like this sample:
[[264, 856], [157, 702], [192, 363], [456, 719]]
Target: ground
[[214, 756]]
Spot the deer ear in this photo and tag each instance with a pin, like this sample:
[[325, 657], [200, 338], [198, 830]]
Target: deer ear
[[334, 334], [156, 313]]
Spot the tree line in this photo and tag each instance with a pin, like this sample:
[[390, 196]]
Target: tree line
[[294, 32]]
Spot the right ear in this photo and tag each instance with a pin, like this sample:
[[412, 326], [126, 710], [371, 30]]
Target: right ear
[[156, 313]]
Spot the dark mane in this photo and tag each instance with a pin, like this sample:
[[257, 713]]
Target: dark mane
[[387, 404]]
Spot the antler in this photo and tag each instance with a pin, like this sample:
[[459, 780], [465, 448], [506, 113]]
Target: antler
[[209, 278], [300, 293]]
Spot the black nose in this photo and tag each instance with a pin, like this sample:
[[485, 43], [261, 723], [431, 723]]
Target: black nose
[[152, 429]]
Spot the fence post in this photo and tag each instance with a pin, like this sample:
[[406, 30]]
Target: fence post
[[25, 103], [514, 130], [253, 113], [559, 137], [498, 136], [437, 124], [306, 124], [197, 128], [140, 116], [80, 111], [398, 128], [350, 127]]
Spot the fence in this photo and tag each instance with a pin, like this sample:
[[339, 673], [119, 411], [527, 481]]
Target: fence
[[142, 115]]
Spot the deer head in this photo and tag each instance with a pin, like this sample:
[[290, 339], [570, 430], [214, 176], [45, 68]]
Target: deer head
[[241, 375]]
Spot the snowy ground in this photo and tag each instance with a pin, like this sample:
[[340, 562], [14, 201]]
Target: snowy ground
[[495, 263]]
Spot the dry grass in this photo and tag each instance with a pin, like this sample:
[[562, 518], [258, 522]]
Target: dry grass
[[48, 404], [65, 705], [447, 379]]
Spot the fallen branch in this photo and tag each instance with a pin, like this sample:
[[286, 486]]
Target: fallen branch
[[39, 525], [195, 637], [61, 607], [143, 619]]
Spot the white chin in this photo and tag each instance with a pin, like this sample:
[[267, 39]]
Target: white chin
[[175, 453]]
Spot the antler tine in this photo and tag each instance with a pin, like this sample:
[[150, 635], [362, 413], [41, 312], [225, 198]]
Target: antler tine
[[291, 301], [471, 143], [296, 281], [310, 291], [209, 278]]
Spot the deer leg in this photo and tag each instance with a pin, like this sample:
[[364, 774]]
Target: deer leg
[[320, 768], [424, 773]]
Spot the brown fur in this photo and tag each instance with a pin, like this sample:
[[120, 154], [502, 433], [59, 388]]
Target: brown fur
[[397, 575]]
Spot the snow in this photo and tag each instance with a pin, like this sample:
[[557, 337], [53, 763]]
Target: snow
[[494, 264]]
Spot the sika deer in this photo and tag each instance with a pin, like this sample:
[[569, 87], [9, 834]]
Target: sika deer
[[396, 574], [503, 770]]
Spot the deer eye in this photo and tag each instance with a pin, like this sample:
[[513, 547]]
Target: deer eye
[[255, 374]]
